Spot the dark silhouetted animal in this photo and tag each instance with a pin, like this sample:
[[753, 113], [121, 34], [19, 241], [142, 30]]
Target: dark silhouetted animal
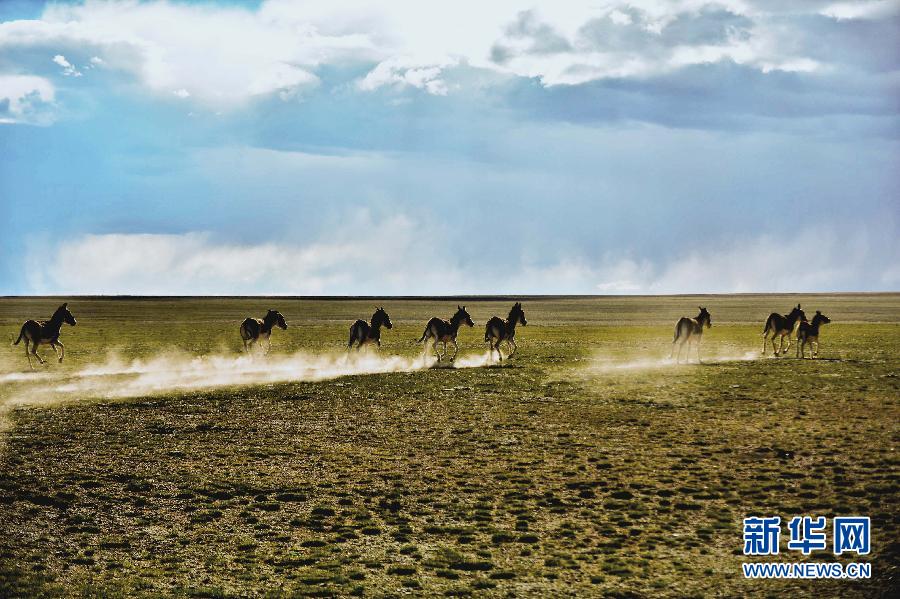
[[687, 330], [443, 331], [781, 327], [808, 332], [36, 332], [254, 330], [497, 331], [362, 332]]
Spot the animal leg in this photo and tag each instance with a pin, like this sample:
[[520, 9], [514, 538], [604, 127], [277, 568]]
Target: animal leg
[[699, 361], [788, 345], [61, 352], [28, 354], [456, 349], [515, 347], [34, 348], [765, 341], [814, 353]]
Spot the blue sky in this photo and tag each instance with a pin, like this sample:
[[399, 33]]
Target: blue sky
[[277, 147]]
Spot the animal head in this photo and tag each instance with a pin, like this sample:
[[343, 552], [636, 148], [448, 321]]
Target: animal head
[[463, 316], [704, 318], [382, 316], [63, 313], [276, 317], [820, 318], [517, 314], [798, 314]]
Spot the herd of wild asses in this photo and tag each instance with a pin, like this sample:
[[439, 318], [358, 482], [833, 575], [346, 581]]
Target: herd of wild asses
[[258, 331]]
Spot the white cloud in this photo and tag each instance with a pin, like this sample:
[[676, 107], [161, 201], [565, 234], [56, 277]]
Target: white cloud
[[23, 99], [69, 69], [225, 55], [401, 72], [815, 258], [366, 257], [862, 9]]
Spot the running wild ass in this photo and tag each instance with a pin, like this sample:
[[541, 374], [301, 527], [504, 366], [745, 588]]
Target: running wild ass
[[686, 329], [443, 331], [497, 331], [781, 327], [36, 332], [809, 333], [362, 332], [254, 330]]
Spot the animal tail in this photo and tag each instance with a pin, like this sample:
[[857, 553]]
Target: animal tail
[[487, 333], [21, 334], [677, 332], [768, 324], [424, 334]]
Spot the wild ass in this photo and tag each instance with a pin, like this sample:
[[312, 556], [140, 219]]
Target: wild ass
[[361, 332], [686, 329], [36, 332], [497, 331], [443, 331], [781, 327], [808, 332], [254, 330]]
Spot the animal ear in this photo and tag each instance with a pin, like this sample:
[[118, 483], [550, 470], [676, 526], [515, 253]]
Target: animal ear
[[798, 306], [64, 304], [817, 312]]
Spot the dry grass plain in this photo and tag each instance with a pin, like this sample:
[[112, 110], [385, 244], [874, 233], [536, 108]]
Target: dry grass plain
[[584, 466]]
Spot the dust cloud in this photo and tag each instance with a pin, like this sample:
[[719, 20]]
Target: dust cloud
[[167, 373], [604, 364]]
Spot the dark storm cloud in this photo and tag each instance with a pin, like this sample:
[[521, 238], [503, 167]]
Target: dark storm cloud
[[722, 95], [632, 29]]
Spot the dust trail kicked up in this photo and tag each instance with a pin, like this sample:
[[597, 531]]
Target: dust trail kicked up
[[117, 378], [601, 364]]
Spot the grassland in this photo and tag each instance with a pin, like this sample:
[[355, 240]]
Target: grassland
[[584, 466]]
